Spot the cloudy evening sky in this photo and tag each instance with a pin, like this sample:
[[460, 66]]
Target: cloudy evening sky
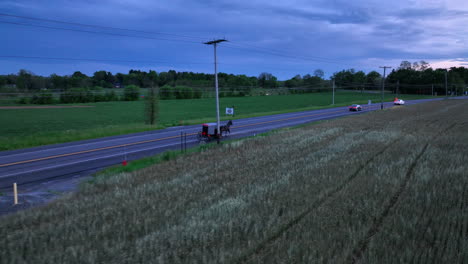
[[284, 38]]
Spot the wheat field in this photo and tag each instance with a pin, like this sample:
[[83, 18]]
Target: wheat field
[[383, 187]]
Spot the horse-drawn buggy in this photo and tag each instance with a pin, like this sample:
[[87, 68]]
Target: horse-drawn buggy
[[210, 131]]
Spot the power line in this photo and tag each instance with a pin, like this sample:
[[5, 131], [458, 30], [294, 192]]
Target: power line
[[95, 60], [98, 33], [96, 26], [283, 54]]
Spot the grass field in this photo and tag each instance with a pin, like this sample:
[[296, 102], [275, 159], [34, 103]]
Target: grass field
[[384, 187], [34, 127]]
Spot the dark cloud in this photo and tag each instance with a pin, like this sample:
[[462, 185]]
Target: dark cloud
[[339, 30]]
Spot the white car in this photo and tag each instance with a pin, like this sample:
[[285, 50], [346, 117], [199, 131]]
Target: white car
[[398, 102]]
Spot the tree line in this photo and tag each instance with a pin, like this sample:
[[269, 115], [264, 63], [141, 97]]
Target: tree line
[[27, 81], [407, 78]]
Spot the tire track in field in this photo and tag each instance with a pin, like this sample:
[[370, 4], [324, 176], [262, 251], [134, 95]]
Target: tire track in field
[[448, 232], [359, 251], [439, 240], [459, 246], [320, 201], [375, 228]]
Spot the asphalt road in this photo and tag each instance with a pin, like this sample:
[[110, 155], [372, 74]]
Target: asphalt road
[[39, 164]]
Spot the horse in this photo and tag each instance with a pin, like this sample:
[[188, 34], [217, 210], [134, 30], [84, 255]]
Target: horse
[[226, 128]]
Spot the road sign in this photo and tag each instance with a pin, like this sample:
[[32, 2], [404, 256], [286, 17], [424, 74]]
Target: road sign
[[229, 111]]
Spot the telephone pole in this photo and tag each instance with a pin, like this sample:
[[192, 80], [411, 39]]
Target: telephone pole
[[383, 84], [215, 43]]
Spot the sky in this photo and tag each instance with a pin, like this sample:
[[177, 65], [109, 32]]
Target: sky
[[281, 37]]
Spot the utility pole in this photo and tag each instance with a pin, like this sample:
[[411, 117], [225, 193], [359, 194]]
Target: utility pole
[[215, 43], [383, 84], [333, 98]]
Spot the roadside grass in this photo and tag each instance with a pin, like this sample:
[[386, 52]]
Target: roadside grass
[[139, 164], [23, 128], [382, 187]]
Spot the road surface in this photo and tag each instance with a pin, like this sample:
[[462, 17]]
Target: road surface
[[39, 164]]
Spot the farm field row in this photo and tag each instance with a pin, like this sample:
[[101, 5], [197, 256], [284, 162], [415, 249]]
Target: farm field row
[[23, 128], [383, 187]]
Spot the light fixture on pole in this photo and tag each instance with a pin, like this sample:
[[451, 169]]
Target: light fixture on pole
[[215, 43]]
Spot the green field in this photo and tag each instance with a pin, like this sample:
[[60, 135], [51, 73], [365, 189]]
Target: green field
[[34, 127], [392, 191]]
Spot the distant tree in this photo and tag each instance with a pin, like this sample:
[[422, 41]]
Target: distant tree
[[267, 80], [152, 106], [57, 82], [344, 77], [359, 80], [78, 74], [312, 83], [153, 77], [373, 79], [131, 93], [295, 81], [3, 81], [456, 82], [24, 80], [119, 77], [319, 73], [166, 92], [423, 65], [405, 65], [103, 78], [79, 79]]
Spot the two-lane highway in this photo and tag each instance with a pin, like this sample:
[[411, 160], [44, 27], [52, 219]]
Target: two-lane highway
[[42, 163]]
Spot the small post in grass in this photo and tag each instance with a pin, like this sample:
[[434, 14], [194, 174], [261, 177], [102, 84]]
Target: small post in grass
[[15, 193]]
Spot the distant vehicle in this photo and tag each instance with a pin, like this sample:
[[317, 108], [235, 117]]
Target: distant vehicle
[[398, 101], [355, 107]]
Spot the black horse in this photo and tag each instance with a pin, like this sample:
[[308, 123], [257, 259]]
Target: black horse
[[226, 128]]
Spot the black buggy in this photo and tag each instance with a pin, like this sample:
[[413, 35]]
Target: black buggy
[[210, 132]]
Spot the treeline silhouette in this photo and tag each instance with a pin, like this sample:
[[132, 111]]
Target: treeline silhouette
[[408, 78]]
